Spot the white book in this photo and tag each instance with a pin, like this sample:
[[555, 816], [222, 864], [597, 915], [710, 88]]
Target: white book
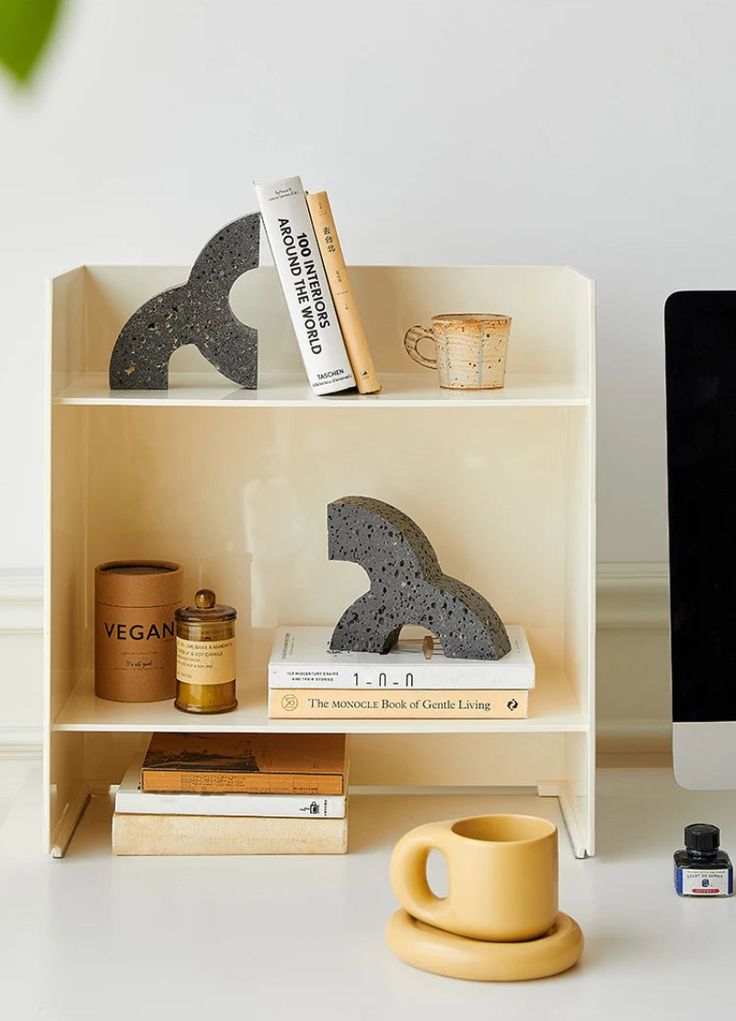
[[301, 658], [298, 262], [131, 800]]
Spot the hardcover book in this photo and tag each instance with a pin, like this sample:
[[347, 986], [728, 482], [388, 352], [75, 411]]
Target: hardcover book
[[307, 764], [301, 658], [348, 315], [193, 834], [131, 799], [303, 280], [300, 704]]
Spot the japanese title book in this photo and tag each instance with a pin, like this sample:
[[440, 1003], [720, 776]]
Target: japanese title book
[[131, 799], [304, 282], [348, 315], [302, 704], [213, 834], [301, 658], [301, 764]]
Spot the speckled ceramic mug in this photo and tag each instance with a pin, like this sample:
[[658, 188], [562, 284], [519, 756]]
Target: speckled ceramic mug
[[470, 349]]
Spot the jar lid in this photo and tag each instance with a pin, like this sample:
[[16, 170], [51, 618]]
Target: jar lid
[[206, 609], [702, 836], [138, 583]]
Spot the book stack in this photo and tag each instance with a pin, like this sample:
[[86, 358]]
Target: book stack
[[414, 681], [308, 257], [234, 794]]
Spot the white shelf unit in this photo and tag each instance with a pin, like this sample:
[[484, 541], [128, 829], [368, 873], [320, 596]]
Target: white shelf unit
[[234, 485]]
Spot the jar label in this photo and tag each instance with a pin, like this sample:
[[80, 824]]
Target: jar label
[[135, 652], [704, 882], [205, 662]]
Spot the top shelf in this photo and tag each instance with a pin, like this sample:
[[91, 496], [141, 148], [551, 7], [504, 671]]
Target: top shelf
[[550, 357], [400, 390]]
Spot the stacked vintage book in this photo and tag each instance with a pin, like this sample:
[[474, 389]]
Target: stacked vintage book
[[234, 794], [414, 681]]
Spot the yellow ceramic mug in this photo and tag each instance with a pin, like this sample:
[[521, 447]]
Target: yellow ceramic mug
[[502, 876]]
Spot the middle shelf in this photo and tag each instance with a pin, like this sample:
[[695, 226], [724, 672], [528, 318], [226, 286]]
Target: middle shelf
[[552, 707]]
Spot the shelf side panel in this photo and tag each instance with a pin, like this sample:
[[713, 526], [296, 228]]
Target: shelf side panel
[[580, 557], [66, 466], [578, 795], [580, 786], [67, 644], [581, 302], [68, 356]]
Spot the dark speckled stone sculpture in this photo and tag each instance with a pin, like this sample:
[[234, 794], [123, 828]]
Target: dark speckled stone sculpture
[[407, 586], [197, 312]]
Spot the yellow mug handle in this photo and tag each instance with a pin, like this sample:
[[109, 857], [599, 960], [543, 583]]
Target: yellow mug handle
[[412, 339], [409, 873]]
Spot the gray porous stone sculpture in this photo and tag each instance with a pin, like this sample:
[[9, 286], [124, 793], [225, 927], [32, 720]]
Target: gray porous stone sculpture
[[408, 586], [197, 312]]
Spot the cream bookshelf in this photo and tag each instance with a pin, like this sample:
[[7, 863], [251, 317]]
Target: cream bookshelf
[[234, 485]]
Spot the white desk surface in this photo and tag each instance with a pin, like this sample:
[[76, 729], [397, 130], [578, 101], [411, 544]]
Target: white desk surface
[[95, 936]]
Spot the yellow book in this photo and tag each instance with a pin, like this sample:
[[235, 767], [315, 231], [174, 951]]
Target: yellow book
[[354, 703], [348, 316]]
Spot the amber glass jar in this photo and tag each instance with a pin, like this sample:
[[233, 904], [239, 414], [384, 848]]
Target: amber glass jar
[[205, 656]]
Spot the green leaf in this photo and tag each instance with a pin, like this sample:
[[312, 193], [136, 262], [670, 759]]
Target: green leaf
[[25, 28]]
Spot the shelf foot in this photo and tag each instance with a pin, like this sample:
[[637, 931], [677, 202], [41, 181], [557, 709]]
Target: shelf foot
[[563, 791], [70, 818]]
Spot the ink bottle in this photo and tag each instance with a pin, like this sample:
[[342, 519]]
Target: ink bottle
[[703, 869]]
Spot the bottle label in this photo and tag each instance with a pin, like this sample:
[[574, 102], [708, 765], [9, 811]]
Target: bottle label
[[205, 662], [704, 882]]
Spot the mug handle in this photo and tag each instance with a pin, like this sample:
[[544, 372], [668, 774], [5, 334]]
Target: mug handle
[[412, 339], [409, 873]]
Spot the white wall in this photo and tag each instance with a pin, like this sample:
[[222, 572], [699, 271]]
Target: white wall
[[566, 131]]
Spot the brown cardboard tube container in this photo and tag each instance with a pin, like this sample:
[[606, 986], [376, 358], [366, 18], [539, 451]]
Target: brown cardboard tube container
[[135, 629]]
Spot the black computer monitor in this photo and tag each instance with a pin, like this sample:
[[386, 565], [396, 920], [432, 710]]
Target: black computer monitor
[[700, 349]]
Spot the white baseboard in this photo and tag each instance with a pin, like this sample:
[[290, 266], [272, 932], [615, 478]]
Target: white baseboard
[[631, 597], [21, 601], [21, 743], [21, 645], [634, 737]]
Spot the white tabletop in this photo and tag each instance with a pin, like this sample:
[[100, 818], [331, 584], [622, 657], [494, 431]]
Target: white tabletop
[[95, 936]]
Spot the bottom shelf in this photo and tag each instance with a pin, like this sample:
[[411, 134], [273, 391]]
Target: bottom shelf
[[376, 821], [373, 818]]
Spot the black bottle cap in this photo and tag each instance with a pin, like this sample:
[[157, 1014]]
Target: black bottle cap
[[701, 836]]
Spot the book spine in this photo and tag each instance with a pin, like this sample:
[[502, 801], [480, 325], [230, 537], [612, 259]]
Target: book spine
[[295, 703], [193, 781], [191, 834], [351, 324], [281, 806], [373, 677], [303, 280]]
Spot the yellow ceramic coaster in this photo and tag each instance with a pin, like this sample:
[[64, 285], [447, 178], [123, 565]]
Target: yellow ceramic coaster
[[444, 953]]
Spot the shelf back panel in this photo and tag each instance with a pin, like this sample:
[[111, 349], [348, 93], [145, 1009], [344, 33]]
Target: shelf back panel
[[550, 308], [241, 504]]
